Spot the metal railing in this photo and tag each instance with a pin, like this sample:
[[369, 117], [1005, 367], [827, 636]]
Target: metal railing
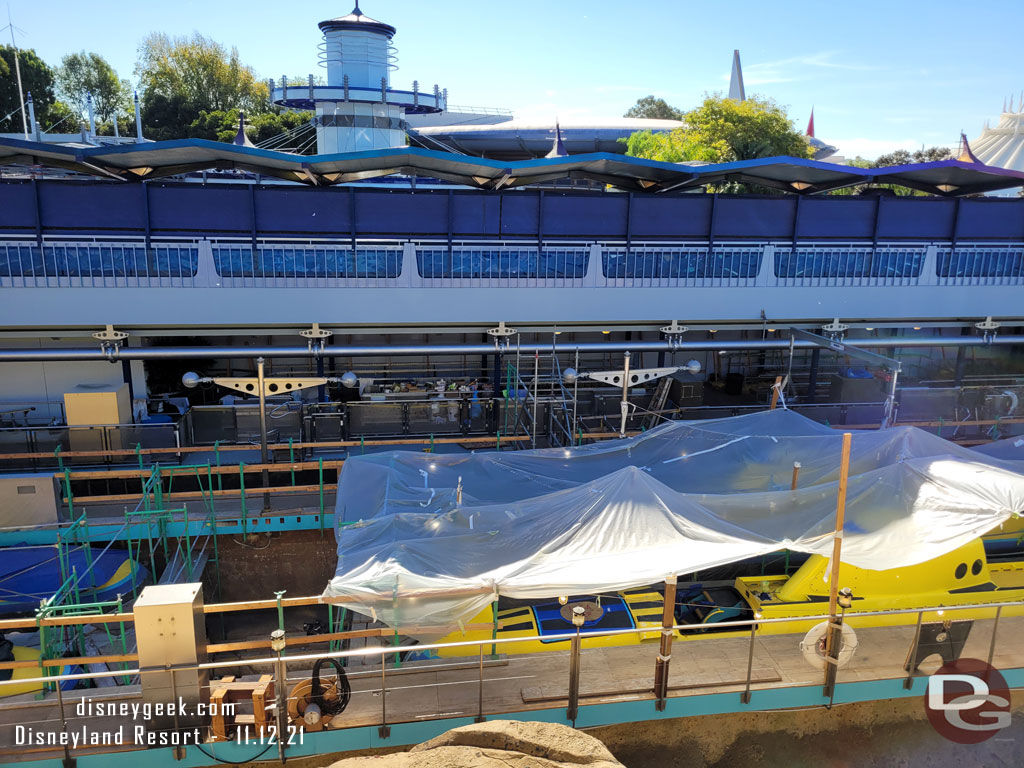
[[828, 265], [751, 651], [96, 440], [98, 265], [330, 262], [692, 265], [997, 264]]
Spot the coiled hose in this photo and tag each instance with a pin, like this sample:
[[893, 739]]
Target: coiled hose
[[316, 695]]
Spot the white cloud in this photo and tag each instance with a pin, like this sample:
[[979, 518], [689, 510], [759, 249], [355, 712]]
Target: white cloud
[[797, 68]]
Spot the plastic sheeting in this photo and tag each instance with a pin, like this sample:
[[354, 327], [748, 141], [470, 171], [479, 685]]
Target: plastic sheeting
[[686, 496], [1008, 449]]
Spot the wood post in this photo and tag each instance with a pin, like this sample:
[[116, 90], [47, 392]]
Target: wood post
[[668, 620], [833, 637], [796, 475], [776, 388]]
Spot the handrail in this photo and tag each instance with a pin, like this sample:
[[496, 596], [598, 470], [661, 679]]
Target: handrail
[[386, 650]]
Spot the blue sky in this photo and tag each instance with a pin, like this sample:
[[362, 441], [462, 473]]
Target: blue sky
[[880, 75]]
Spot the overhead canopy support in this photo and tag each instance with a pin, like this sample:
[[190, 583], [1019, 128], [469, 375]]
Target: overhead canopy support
[[787, 174]]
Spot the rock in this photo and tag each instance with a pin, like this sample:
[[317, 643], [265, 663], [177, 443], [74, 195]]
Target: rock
[[498, 744]]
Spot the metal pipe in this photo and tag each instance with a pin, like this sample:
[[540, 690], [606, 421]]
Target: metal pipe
[[261, 385], [236, 353], [624, 405]]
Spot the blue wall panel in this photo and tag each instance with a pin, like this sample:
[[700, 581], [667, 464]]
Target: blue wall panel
[[477, 215], [303, 211], [743, 217], [573, 215], [837, 218], [401, 213], [195, 208], [916, 218], [101, 207], [676, 217], [519, 215], [990, 220], [17, 207], [112, 208]]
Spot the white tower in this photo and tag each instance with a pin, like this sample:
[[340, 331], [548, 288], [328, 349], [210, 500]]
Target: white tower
[[357, 109]]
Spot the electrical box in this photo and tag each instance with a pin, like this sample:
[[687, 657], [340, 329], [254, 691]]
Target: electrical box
[[88, 406], [28, 499], [170, 629]]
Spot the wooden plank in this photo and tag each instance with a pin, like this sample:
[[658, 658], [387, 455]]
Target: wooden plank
[[180, 495], [65, 621], [257, 605], [224, 469], [71, 661], [248, 645], [273, 447]]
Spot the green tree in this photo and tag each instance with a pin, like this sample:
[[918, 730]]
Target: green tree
[[903, 157], [165, 118], [89, 73], [654, 108], [223, 125], [184, 76], [723, 130], [36, 78], [201, 71]]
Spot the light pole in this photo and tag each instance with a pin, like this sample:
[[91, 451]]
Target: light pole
[[261, 386]]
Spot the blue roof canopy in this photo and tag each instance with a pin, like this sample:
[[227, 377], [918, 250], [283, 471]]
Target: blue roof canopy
[[152, 160]]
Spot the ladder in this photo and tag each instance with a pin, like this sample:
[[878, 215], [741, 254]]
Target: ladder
[[658, 401]]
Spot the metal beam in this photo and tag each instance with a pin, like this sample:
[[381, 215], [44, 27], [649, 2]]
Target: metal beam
[[846, 349], [241, 352]]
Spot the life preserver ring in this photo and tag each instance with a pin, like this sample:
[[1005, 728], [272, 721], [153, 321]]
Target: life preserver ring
[[813, 645]]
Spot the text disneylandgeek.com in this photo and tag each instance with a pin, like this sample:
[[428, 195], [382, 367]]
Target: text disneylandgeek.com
[[137, 731]]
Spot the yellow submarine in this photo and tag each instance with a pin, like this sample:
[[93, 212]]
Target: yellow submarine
[[961, 577]]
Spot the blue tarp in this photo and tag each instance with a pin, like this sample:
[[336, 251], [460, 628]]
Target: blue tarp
[[31, 574]]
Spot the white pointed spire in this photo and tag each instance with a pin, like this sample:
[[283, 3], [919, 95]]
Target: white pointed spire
[[736, 90], [1004, 104]]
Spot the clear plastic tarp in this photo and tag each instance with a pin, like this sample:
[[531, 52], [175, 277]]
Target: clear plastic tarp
[[624, 513]]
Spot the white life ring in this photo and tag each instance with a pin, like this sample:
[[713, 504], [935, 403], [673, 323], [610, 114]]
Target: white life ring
[[813, 645]]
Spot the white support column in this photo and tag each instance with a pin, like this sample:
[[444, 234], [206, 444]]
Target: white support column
[[590, 280], [206, 269], [410, 275], [931, 261], [766, 272]]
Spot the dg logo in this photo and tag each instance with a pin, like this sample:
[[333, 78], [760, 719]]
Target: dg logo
[[967, 701]]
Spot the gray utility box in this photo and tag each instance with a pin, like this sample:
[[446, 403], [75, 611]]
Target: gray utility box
[[28, 500], [170, 629]]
